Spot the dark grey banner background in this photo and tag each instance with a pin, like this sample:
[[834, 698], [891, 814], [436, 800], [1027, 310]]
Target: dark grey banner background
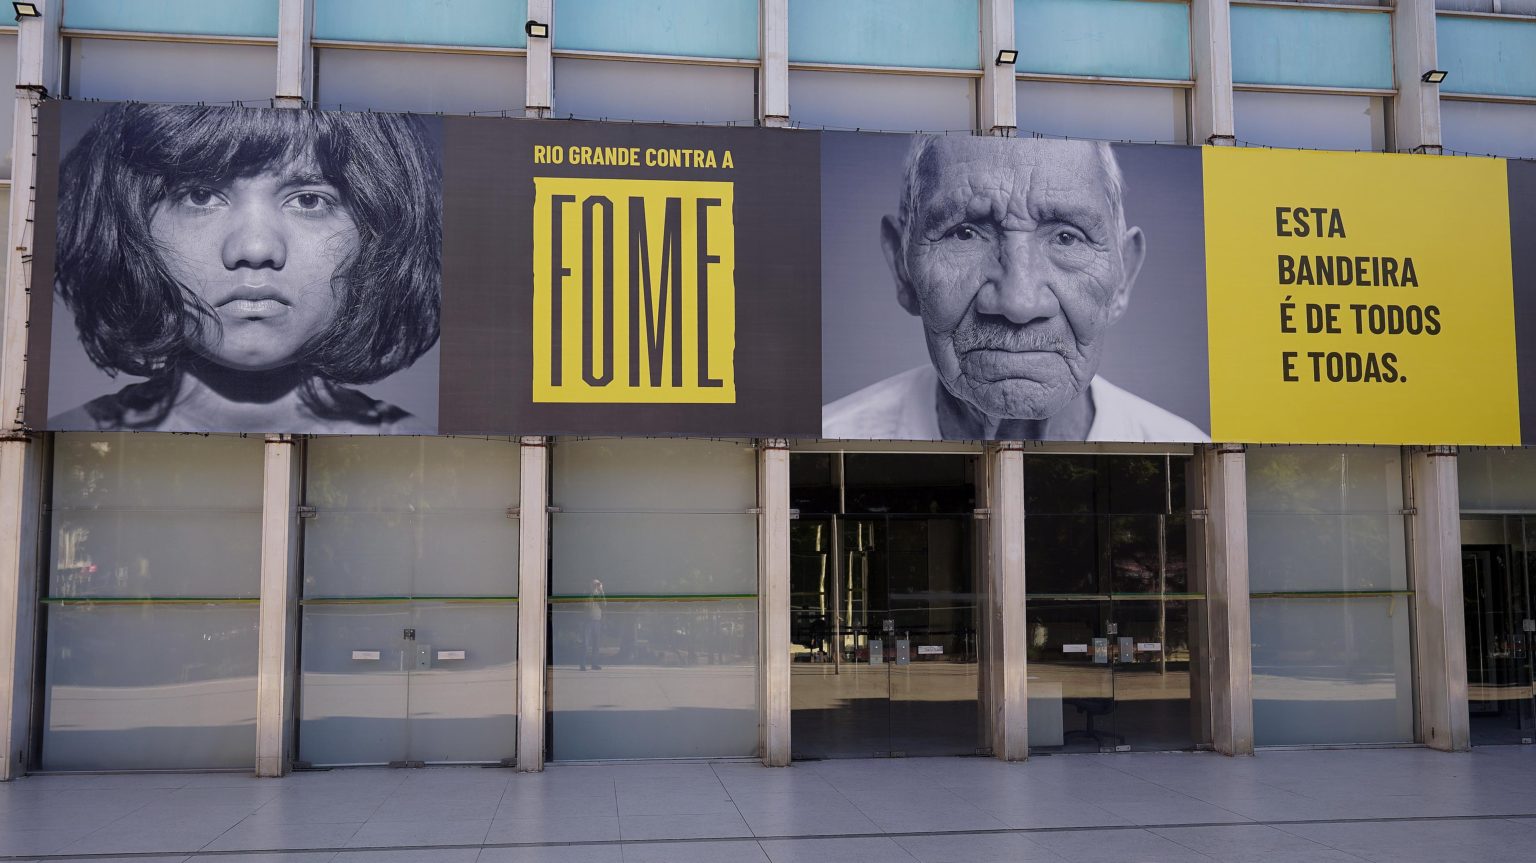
[[1522, 246], [1156, 351], [487, 358]]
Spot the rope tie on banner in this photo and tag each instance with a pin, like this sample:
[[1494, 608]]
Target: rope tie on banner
[[517, 114]]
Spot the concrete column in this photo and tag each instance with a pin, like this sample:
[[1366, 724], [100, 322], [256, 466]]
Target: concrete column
[[999, 98], [1007, 636], [295, 58], [278, 620], [532, 602], [1228, 661], [541, 63], [1416, 108], [1210, 40], [22, 455], [773, 77], [1439, 629], [773, 601], [21, 488]]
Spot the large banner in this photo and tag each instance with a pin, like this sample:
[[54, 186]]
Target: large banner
[[218, 270]]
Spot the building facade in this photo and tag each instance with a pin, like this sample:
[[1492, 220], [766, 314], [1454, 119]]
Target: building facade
[[266, 602]]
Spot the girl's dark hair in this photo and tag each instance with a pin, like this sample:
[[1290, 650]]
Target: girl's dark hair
[[132, 314]]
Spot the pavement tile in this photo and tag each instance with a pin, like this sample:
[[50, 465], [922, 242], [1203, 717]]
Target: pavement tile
[[554, 854], [598, 828], [390, 834], [745, 851], [1253, 843], [1117, 846], [850, 850], [708, 826], [977, 848]]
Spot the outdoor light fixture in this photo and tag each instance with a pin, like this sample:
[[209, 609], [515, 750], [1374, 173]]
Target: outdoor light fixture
[[1434, 76], [26, 10], [1007, 57], [536, 30]]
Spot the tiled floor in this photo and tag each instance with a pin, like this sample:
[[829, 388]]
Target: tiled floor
[[1399, 805]]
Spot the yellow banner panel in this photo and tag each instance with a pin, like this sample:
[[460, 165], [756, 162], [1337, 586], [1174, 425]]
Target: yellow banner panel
[[1359, 298], [634, 296]]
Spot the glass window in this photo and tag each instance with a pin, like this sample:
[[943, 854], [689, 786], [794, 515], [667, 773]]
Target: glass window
[[1310, 120], [225, 18], [1106, 112], [889, 103], [1311, 47], [151, 645], [686, 28], [410, 601], [1117, 38], [1332, 670], [1495, 56], [123, 70], [486, 23], [935, 34], [1488, 128], [426, 83], [620, 90], [1497, 479], [1322, 518], [653, 599], [1327, 564], [8, 109]]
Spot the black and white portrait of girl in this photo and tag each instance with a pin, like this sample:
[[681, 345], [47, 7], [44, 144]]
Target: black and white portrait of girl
[[250, 269]]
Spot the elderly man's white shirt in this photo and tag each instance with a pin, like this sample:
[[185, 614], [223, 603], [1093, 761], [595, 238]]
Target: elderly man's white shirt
[[904, 407]]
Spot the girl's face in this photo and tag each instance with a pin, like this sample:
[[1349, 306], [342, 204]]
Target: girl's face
[[262, 253]]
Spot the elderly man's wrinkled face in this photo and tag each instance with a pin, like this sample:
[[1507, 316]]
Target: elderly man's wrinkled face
[[1017, 263]]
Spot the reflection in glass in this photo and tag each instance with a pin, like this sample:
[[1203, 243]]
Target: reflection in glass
[[654, 553], [1332, 671], [150, 687], [884, 607], [156, 544], [371, 696], [1497, 600], [1332, 650], [389, 673], [156, 516], [653, 609], [647, 679], [1110, 599]]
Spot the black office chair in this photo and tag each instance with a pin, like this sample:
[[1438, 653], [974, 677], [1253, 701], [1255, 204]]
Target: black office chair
[[1092, 708]]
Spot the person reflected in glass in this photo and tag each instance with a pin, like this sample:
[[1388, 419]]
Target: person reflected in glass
[[592, 634], [254, 266]]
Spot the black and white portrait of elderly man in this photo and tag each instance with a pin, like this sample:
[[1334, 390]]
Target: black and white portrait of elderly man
[[1017, 256]]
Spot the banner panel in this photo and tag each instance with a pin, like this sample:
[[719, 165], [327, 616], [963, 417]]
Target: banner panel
[[207, 269], [1011, 288], [225, 270], [606, 278], [1359, 298]]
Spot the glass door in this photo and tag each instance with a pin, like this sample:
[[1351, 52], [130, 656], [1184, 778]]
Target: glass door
[[884, 609], [930, 625], [1496, 601], [408, 634], [1110, 593]]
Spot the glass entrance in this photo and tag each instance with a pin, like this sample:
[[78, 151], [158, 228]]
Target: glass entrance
[[1500, 622], [884, 607], [1110, 596], [409, 609]]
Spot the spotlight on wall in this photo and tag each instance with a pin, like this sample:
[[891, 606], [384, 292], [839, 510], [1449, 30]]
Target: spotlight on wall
[[26, 10], [536, 30], [1434, 76], [1007, 57]]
